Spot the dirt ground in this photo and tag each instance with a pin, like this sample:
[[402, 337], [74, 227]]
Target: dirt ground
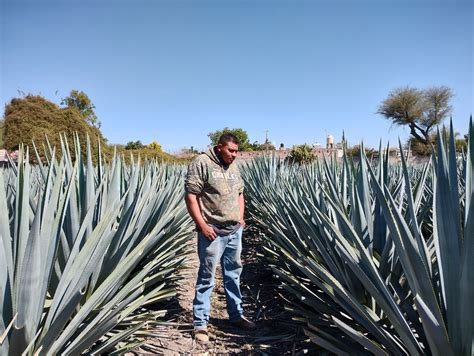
[[276, 334]]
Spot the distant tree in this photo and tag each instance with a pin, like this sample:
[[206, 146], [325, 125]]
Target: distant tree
[[80, 101], [155, 146], [301, 154], [33, 117], [461, 145], [267, 146], [459, 142], [238, 132], [420, 149], [354, 151], [134, 145], [189, 151], [420, 110]]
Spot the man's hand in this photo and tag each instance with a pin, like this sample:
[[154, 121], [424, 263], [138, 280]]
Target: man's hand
[[195, 212], [208, 232]]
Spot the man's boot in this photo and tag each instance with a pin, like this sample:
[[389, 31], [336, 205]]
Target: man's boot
[[244, 323], [201, 335]]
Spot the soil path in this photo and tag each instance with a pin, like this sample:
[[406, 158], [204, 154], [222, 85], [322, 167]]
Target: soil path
[[275, 334]]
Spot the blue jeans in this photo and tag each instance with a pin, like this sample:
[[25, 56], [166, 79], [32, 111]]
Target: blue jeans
[[227, 249]]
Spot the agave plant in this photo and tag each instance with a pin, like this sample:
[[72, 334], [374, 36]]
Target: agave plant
[[378, 257], [84, 248]]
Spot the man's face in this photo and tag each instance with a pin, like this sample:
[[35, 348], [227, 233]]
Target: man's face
[[227, 152]]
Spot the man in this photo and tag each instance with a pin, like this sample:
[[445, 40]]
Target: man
[[215, 201]]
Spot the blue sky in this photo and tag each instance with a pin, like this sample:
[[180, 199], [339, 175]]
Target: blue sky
[[173, 71]]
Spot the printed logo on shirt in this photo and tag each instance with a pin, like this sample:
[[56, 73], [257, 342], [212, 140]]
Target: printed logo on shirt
[[222, 175]]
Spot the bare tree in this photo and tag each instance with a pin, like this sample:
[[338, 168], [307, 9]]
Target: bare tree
[[420, 110]]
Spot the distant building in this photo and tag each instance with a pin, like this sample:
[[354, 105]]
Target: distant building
[[3, 158], [330, 142], [4, 154]]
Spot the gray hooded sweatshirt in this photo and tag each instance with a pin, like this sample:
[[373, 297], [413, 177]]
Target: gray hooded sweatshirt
[[217, 187]]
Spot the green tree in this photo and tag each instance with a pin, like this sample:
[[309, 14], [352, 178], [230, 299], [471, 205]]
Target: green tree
[[461, 145], [155, 146], [459, 142], [238, 132], [134, 145], [33, 117], [301, 154], [354, 151], [80, 101], [420, 110]]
